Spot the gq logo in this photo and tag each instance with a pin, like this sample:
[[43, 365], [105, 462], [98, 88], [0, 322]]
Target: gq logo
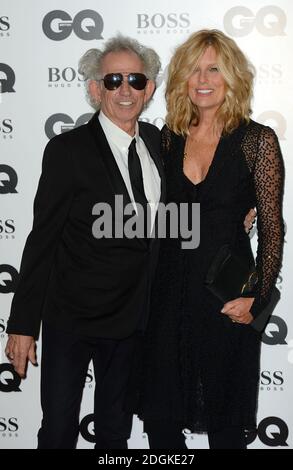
[[8, 179], [9, 379], [162, 77], [275, 332], [89, 379], [269, 21], [159, 21], [86, 428], [87, 25], [2, 327], [65, 122], [275, 120], [273, 437], [8, 278], [7, 79]]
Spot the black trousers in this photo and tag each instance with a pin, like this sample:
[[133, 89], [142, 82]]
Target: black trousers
[[169, 435], [65, 360]]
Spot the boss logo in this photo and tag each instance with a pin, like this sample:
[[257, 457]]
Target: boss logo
[[6, 128], [59, 123], [4, 26], [175, 22], [269, 74], [271, 380], [87, 25], [9, 426], [63, 77], [7, 229], [270, 20]]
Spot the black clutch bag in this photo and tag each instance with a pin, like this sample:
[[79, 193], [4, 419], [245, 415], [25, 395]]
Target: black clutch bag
[[229, 277]]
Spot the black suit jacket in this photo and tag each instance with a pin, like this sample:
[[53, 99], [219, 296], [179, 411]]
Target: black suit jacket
[[96, 287]]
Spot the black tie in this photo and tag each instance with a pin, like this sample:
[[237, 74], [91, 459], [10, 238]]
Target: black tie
[[135, 174]]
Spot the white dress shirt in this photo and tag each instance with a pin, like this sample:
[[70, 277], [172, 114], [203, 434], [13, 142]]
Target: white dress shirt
[[119, 142]]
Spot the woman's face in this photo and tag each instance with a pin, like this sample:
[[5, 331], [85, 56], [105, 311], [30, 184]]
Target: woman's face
[[206, 86]]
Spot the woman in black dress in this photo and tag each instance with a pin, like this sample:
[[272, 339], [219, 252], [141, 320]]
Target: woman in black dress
[[201, 358]]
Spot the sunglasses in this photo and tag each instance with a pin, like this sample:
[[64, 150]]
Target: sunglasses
[[112, 81]]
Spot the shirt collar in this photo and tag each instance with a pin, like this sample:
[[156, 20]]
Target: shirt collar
[[115, 133]]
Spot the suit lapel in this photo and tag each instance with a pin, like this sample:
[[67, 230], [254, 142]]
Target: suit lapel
[[111, 168], [105, 154]]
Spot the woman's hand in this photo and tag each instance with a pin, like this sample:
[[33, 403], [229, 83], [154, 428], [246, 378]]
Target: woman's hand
[[249, 220], [238, 310]]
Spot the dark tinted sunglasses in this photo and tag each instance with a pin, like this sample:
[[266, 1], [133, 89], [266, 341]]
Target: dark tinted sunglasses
[[112, 81]]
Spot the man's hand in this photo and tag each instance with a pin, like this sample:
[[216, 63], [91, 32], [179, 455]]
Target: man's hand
[[249, 220], [19, 349]]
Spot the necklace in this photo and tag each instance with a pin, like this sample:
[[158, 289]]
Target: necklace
[[185, 154], [197, 141]]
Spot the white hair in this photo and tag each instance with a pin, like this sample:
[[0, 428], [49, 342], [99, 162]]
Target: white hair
[[90, 64]]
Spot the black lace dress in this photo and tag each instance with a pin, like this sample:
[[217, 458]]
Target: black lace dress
[[200, 369]]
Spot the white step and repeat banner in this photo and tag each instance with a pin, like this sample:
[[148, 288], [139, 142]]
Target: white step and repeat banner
[[42, 95]]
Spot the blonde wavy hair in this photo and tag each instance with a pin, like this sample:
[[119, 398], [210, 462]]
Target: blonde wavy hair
[[237, 72]]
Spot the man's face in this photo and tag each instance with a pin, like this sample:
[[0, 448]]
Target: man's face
[[123, 105]]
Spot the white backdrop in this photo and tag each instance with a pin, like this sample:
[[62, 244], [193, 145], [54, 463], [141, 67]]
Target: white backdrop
[[42, 95]]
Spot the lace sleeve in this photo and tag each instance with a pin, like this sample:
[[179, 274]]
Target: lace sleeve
[[268, 175]]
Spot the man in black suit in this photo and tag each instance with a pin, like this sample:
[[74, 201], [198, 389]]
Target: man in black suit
[[91, 293]]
